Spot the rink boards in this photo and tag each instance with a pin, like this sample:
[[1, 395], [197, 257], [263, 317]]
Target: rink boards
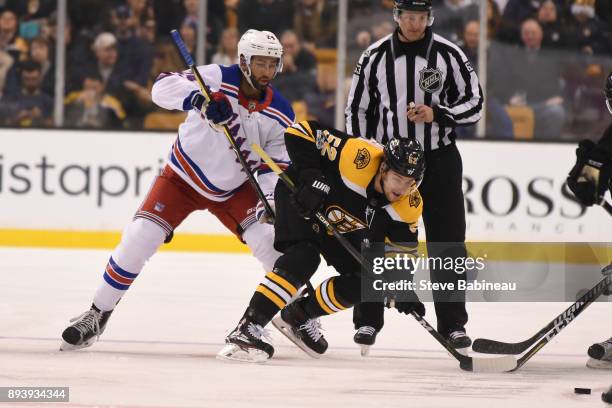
[[80, 188]]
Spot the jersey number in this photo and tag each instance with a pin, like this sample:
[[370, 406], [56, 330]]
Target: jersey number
[[329, 147]]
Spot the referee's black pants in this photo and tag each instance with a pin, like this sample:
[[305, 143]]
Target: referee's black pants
[[444, 219]]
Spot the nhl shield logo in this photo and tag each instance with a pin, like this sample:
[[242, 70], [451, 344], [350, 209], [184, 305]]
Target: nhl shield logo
[[430, 79]]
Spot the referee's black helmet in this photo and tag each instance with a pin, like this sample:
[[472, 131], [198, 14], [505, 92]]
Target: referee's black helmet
[[413, 5]]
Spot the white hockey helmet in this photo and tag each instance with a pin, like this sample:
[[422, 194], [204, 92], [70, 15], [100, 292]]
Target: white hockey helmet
[[259, 43]]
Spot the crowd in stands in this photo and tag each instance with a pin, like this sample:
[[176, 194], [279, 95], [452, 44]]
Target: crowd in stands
[[547, 59]]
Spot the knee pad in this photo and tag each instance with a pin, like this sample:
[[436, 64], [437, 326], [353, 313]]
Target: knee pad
[[300, 261], [140, 240], [260, 239]]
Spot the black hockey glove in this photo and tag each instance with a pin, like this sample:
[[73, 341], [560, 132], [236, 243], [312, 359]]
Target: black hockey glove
[[311, 193], [590, 176], [407, 307]]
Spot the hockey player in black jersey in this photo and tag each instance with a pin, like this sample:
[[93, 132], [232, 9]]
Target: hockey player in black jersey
[[589, 180], [368, 192]]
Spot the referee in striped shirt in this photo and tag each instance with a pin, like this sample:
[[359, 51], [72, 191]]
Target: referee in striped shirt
[[417, 84]]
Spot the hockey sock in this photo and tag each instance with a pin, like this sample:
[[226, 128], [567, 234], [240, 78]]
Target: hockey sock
[[139, 242], [328, 299], [272, 294]]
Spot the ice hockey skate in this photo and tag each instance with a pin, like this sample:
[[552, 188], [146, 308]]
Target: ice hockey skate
[[460, 341], [365, 339], [86, 330], [245, 344], [600, 355], [303, 331]]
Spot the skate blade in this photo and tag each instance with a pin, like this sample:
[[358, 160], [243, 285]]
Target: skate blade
[[599, 364], [285, 329], [234, 353], [71, 347], [365, 350]]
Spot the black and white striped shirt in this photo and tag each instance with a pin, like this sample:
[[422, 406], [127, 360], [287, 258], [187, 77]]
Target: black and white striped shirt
[[432, 71]]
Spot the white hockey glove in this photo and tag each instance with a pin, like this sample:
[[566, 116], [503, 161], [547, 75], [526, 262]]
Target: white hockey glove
[[261, 214]]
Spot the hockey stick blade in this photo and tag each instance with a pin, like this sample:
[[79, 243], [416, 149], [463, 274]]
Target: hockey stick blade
[[466, 363], [498, 347]]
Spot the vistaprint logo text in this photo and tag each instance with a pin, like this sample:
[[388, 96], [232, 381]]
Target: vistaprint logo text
[[100, 182], [411, 263]]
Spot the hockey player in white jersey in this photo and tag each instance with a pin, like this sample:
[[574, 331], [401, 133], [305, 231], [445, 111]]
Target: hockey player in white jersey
[[203, 172], [589, 180]]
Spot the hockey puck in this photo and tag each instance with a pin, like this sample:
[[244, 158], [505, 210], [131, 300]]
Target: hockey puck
[[582, 390], [607, 396]]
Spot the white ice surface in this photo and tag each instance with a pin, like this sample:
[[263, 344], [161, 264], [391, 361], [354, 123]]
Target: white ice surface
[[160, 344]]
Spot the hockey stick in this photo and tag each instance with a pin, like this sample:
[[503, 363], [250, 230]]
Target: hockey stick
[[475, 364], [176, 36], [607, 206], [558, 323], [604, 283]]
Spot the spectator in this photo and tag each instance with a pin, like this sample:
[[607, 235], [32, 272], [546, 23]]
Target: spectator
[[517, 11], [91, 107], [166, 59], [452, 15], [315, 23], [270, 15], [188, 33], [6, 62], [39, 53], [299, 68], [148, 31], [604, 11], [216, 20], [28, 10], [10, 42], [135, 54], [555, 34], [530, 77], [227, 53], [470, 40], [140, 11], [30, 107], [498, 122], [590, 33], [168, 15], [362, 25]]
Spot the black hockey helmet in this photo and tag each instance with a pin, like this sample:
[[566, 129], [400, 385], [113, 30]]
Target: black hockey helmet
[[413, 5], [406, 157], [608, 91]]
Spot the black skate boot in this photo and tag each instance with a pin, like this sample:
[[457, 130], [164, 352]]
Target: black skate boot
[[298, 327], [459, 340], [365, 338], [245, 344], [86, 331], [601, 355]]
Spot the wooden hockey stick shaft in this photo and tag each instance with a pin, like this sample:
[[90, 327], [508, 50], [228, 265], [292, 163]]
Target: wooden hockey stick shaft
[[466, 363], [178, 41]]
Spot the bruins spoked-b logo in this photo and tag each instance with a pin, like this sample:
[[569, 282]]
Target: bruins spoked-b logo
[[342, 220], [362, 159], [430, 79]]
